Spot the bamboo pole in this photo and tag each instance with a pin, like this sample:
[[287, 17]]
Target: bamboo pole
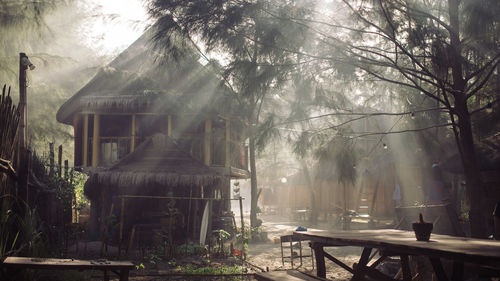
[[169, 125], [208, 134], [189, 214], [132, 134], [228, 143], [85, 142], [242, 227], [95, 142]]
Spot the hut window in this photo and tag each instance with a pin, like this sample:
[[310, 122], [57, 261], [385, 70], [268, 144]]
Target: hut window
[[218, 142], [115, 134], [113, 149]]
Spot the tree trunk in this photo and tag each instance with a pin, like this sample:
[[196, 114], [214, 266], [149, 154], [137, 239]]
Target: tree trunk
[[253, 179], [474, 187]]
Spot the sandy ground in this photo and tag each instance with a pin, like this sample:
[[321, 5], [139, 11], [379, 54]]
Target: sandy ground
[[267, 254]]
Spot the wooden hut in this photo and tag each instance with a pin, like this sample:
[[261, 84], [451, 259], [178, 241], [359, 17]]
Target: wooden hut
[[142, 93], [143, 185]]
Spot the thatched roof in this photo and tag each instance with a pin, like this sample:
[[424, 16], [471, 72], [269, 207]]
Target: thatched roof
[[141, 79], [488, 156], [157, 161]]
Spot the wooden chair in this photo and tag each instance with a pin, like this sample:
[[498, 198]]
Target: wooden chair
[[293, 243]]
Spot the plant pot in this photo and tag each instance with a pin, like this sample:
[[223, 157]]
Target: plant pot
[[422, 230]]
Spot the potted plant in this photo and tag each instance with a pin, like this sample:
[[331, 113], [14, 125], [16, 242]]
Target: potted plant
[[422, 229]]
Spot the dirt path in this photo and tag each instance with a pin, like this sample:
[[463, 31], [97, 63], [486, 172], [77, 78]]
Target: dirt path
[[268, 254]]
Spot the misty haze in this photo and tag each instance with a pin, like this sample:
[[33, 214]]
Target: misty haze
[[250, 140]]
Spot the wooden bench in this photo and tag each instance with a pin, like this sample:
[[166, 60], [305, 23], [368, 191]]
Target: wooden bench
[[121, 268], [290, 275]]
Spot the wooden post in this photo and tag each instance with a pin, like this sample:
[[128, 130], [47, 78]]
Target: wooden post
[[242, 228], [189, 208], [59, 160], [169, 125], [23, 105], [228, 143], [132, 135], [22, 168], [66, 169], [122, 216], [208, 134], [51, 159], [95, 142], [209, 227], [77, 135], [85, 142]]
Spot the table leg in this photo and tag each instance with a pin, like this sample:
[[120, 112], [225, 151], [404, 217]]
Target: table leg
[[458, 271], [320, 259], [106, 277], [405, 266], [124, 275], [359, 270], [438, 269]]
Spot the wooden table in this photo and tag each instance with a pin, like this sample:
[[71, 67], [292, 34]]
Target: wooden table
[[121, 268], [392, 242]]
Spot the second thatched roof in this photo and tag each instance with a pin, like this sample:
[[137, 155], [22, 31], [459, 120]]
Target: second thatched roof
[[157, 161]]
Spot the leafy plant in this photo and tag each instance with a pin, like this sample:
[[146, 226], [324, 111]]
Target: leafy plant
[[211, 270], [191, 249]]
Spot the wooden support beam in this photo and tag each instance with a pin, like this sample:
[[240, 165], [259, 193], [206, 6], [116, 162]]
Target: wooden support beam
[[208, 134], [132, 134], [85, 142], [95, 141], [228, 143], [77, 135], [338, 262], [169, 125], [438, 269], [319, 254], [122, 218]]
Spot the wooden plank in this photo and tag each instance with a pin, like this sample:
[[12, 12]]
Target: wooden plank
[[50, 263], [477, 251], [289, 275]]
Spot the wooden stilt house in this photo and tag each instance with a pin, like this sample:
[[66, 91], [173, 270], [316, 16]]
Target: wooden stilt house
[[199, 144]]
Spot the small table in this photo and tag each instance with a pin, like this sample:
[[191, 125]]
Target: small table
[[121, 268], [392, 242]]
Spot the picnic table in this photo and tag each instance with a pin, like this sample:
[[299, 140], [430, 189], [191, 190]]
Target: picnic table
[[401, 243], [121, 268]]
